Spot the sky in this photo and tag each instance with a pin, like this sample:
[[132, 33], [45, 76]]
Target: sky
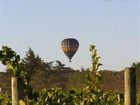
[[112, 25]]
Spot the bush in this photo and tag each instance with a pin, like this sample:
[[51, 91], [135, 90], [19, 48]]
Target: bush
[[5, 100]]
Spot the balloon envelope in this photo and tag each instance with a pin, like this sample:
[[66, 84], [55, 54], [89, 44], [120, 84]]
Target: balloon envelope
[[69, 47]]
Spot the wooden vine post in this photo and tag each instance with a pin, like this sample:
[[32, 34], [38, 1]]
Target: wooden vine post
[[14, 90], [130, 86]]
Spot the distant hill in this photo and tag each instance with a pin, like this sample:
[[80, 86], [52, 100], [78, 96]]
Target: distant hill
[[111, 80], [70, 79], [5, 82]]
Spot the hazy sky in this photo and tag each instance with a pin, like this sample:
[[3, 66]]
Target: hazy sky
[[112, 25]]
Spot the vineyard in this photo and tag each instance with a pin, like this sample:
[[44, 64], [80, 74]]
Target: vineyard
[[90, 94]]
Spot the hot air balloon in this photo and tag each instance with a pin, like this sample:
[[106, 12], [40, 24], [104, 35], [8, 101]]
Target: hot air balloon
[[69, 47]]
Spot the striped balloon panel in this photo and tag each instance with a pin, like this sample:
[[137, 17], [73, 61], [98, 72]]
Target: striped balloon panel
[[70, 47]]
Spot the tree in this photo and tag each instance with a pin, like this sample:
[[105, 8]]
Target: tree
[[59, 66], [33, 63]]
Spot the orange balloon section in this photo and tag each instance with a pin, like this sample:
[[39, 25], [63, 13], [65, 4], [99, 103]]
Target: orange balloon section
[[69, 47]]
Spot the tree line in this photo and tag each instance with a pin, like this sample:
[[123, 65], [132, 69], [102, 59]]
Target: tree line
[[54, 73]]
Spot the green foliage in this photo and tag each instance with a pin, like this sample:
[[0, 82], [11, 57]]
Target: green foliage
[[85, 96], [16, 67], [9, 58], [89, 95], [94, 76], [5, 100]]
